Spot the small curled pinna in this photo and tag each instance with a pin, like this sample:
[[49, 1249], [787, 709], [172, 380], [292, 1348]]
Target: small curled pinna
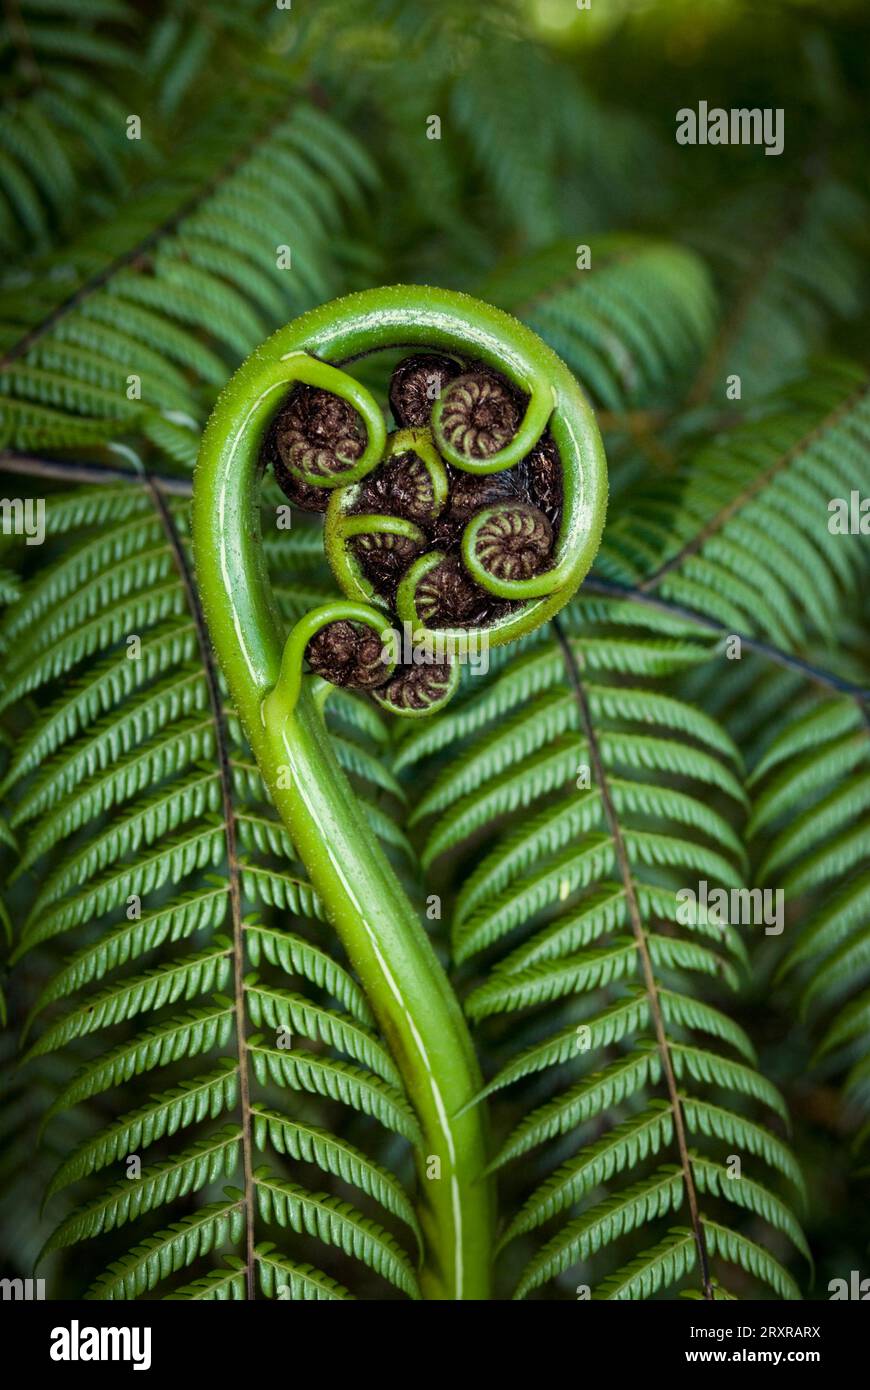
[[474, 518]]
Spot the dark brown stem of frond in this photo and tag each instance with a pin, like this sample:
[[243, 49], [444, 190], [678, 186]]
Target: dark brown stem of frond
[[609, 588], [229, 819], [64, 471], [348, 654], [600, 775], [416, 385], [136, 252], [481, 412], [758, 484], [315, 432]]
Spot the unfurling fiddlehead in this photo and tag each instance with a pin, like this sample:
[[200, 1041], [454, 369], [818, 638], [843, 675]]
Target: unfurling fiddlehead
[[473, 522]]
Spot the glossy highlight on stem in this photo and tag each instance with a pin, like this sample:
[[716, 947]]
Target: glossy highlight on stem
[[281, 707]]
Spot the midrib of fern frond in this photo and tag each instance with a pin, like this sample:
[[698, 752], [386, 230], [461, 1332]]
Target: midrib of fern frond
[[818, 675], [233, 871], [758, 484], [140, 248], [789, 216], [600, 778]]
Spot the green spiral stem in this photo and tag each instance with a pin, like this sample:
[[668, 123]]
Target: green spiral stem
[[281, 706]]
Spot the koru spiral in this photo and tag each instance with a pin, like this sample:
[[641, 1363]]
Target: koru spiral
[[475, 518], [473, 521]]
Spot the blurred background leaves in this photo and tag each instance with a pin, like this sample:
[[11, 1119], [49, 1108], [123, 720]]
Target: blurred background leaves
[[308, 125]]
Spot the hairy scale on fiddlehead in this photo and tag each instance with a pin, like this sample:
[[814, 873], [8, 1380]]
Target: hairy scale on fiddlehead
[[317, 433], [478, 517], [416, 385], [513, 541], [347, 654], [478, 413]]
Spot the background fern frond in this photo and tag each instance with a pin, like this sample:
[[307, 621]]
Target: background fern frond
[[574, 909], [118, 791], [699, 713]]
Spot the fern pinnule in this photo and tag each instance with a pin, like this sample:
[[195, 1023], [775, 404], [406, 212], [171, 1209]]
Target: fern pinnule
[[583, 893], [110, 781]]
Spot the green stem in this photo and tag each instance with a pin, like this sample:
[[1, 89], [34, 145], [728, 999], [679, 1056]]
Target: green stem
[[416, 1009], [384, 938], [281, 711]]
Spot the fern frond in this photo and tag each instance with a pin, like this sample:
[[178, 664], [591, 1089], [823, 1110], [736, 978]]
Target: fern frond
[[219, 1285], [128, 783], [203, 1163], [203, 1097], [184, 979], [629, 325], [66, 380], [306, 1143], [340, 1081], [745, 534], [769, 251], [198, 910], [278, 1009], [661, 1267], [812, 786], [188, 1035], [171, 1250], [638, 1205], [305, 1284], [335, 1223], [592, 795]]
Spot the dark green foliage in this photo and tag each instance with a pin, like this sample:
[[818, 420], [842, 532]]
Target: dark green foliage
[[564, 799]]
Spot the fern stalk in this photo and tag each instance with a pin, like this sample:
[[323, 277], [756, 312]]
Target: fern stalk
[[634, 913], [382, 935], [416, 1009], [281, 709], [235, 894]]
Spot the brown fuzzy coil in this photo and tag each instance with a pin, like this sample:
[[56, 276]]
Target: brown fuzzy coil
[[416, 687], [480, 414], [514, 542], [416, 385], [448, 597], [348, 654], [543, 469], [399, 487], [302, 495], [384, 558], [316, 432], [469, 494]]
